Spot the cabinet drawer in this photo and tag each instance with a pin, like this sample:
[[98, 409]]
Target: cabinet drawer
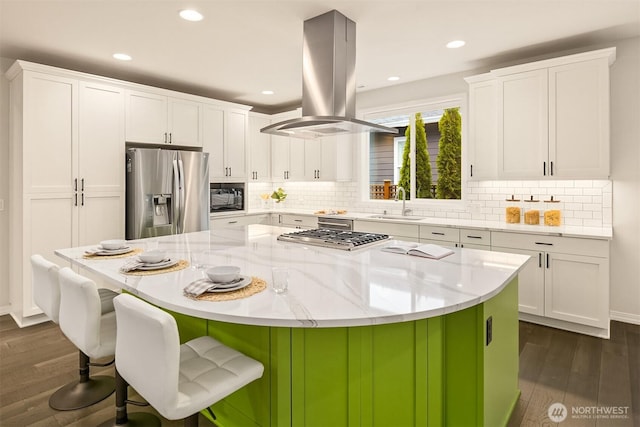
[[308, 221], [567, 245], [475, 237], [390, 228], [446, 234]]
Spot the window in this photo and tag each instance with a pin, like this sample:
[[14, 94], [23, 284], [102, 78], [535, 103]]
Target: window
[[427, 163]]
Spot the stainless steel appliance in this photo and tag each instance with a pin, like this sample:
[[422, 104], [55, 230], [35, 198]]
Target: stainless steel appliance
[[167, 192], [225, 197], [335, 223], [328, 82], [329, 238]]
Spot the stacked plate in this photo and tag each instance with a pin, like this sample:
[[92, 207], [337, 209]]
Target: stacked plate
[[165, 263], [110, 247], [234, 285]]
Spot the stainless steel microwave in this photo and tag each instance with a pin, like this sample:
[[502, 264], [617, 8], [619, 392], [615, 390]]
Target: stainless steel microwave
[[226, 197]]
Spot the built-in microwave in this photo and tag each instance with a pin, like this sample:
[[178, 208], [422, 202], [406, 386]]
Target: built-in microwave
[[226, 197]]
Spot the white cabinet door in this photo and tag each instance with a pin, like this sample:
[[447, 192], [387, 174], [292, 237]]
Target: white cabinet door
[[50, 139], [523, 125], [312, 159], [184, 126], [297, 168], [224, 138], [146, 118], [213, 140], [530, 281], [579, 120], [101, 163], [577, 289], [259, 149], [50, 225], [483, 130], [235, 144], [337, 157], [279, 157]]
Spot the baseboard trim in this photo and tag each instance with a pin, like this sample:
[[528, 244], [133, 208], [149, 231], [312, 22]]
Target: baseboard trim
[[621, 316], [567, 326], [29, 321]]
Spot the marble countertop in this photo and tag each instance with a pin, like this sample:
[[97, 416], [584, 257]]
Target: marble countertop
[[605, 232], [327, 287]]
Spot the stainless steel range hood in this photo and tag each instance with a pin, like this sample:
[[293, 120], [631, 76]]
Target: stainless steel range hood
[[328, 82]]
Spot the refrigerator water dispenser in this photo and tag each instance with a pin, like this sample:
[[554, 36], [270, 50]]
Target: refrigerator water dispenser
[[161, 209]]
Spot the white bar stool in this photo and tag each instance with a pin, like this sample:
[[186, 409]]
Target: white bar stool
[[87, 319], [179, 381]]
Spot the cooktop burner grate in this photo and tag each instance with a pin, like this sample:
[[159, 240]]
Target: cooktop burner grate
[[329, 238]]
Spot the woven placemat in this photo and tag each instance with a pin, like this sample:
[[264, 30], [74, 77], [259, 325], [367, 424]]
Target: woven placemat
[[181, 265], [257, 285], [135, 251]]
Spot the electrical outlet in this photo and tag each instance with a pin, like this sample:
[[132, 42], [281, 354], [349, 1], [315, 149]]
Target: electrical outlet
[[489, 330]]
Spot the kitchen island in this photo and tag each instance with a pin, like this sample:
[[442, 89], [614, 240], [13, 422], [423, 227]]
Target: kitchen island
[[361, 338]]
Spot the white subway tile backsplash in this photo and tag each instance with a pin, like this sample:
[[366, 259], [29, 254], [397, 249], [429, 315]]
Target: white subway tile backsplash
[[583, 202]]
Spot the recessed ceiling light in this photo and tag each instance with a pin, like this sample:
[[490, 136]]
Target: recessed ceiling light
[[456, 44], [267, 92], [122, 56], [393, 78], [191, 15]]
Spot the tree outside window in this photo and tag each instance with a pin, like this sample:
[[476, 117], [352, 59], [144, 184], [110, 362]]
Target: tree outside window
[[436, 148]]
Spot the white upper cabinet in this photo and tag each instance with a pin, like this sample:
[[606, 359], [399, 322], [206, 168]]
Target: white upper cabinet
[[224, 138], [259, 148], [158, 119], [328, 158], [549, 119], [523, 125], [483, 127], [184, 122], [579, 119], [553, 118]]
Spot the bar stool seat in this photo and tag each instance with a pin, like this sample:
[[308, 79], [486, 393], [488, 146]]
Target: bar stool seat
[[179, 381], [87, 319]]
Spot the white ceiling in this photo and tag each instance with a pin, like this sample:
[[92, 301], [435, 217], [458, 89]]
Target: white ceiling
[[243, 47]]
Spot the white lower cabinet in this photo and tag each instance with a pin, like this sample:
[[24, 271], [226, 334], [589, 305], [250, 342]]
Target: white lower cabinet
[[530, 281], [409, 232], [442, 236], [566, 280], [297, 221], [231, 221]]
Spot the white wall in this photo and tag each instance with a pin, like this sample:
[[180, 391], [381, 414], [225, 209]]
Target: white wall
[[4, 186], [625, 173]]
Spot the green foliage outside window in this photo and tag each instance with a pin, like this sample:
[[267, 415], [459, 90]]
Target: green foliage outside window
[[423, 165], [449, 160]]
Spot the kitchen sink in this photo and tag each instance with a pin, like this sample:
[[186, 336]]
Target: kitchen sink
[[398, 217]]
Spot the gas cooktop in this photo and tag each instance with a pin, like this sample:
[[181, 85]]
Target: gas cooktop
[[328, 238]]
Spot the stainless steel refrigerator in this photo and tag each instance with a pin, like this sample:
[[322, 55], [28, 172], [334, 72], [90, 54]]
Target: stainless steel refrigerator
[[167, 192]]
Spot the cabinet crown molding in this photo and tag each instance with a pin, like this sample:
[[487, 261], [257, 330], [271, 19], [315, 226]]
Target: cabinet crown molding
[[609, 53]]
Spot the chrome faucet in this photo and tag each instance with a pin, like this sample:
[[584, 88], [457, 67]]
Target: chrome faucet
[[404, 199]]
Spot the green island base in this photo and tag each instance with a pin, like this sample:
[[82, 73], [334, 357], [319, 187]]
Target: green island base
[[430, 372]]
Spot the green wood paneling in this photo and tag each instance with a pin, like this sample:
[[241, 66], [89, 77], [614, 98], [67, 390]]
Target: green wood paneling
[[431, 372]]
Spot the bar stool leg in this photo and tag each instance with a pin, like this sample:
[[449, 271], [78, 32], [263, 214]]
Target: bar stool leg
[[84, 392], [137, 419]]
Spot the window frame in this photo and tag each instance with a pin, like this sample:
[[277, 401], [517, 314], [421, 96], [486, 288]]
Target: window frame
[[410, 108]]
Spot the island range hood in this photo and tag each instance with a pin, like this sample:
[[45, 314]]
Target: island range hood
[[328, 82]]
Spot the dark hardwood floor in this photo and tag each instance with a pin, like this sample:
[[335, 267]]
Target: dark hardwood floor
[[582, 372]]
